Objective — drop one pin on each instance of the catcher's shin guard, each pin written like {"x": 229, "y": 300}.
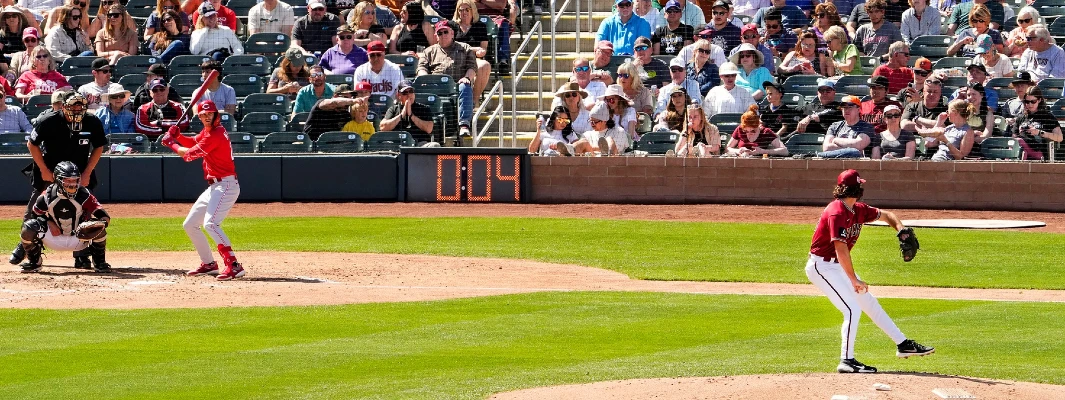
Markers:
{"x": 98, "y": 250}
{"x": 33, "y": 260}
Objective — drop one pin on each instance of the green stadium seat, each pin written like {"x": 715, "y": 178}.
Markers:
{"x": 933, "y": 47}
{"x": 228, "y": 122}
{"x": 272, "y": 44}
{"x": 337, "y": 79}
{"x": 379, "y": 103}
{"x": 245, "y": 84}
{"x": 139, "y": 142}
{"x": 389, "y": 141}
{"x": 140, "y": 8}
{"x": 131, "y": 82}
{"x": 247, "y": 64}
{"x": 868, "y": 64}
{"x": 286, "y": 142}
{"x": 185, "y": 84}
{"x": 36, "y": 105}
{"x": 265, "y": 102}
{"x": 855, "y": 85}
{"x": 644, "y": 124}
{"x": 407, "y": 64}
{"x": 133, "y": 65}
{"x": 14, "y": 143}
{"x": 805, "y": 144}
{"x": 726, "y": 122}
{"x": 339, "y": 142}
{"x": 76, "y": 81}
{"x": 657, "y": 142}
{"x": 441, "y": 85}
{"x": 310, "y": 59}
{"x": 186, "y": 64}
{"x": 261, "y": 123}
{"x": 952, "y": 62}
{"x": 1052, "y": 87}
{"x": 297, "y": 122}
{"x": 243, "y": 142}
{"x": 1001, "y": 148}
{"x": 805, "y": 85}
{"x": 77, "y": 66}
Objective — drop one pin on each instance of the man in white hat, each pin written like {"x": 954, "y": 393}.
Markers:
{"x": 678, "y": 75}
{"x": 727, "y": 98}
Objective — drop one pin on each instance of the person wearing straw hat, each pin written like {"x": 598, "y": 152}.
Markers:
{"x": 751, "y": 72}
{"x": 571, "y": 97}
{"x": 115, "y": 117}
{"x": 622, "y": 114}
{"x": 728, "y": 97}
{"x": 749, "y": 35}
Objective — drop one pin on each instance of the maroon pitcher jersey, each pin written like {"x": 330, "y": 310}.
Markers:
{"x": 839, "y": 223}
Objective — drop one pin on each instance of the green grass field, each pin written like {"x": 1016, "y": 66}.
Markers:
{"x": 470, "y": 348}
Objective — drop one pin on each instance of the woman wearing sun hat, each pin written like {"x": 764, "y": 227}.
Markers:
{"x": 572, "y": 98}
{"x": 751, "y": 72}
{"x": 622, "y": 115}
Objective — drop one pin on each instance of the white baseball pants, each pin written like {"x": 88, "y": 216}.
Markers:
{"x": 833, "y": 281}
{"x": 63, "y": 242}
{"x": 209, "y": 211}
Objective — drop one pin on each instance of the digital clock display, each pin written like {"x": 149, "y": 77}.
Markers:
{"x": 464, "y": 174}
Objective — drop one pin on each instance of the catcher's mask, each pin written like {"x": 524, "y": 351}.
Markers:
{"x": 67, "y": 175}
{"x": 74, "y": 110}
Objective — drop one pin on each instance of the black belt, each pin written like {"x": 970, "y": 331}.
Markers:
{"x": 826, "y": 259}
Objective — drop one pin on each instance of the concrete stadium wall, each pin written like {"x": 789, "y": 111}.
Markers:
{"x": 899, "y": 184}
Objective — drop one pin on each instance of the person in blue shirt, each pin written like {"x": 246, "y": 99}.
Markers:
{"x": 793, "y": 17}
{"x": 623, "y": 28}
{"x": 116, "y": 118}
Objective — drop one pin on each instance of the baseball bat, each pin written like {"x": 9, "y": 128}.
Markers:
{"x": 198, "y": 93}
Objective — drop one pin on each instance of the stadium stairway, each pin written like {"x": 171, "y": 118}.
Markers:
{"x": 528, "y": 104}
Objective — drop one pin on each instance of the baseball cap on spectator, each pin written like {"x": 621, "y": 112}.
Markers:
{"x": 1023, "y": 77}
{"x": 403, "y": 85}
{"x": 850, "y": 101}
{"x": 207, "y": 9}
{"x": 295, "y": 57}
{"x": 343, "y": 89}
{"x": 643, "y": 40}
{"x": 891, "y": 108}
{"x": 722, "y": 3}
{"x": 59, "y": 96}
{"x": 771, "y": 84}
{"x": 983, "y": 44}
{"x": 728, "y": 69}
{"x": 375, "y": 47}
{"x": 604, "y": 44}
{"x": 31, "y": 32}
{"x": 826, "y": 83}
{"x": 980, "y": 67}
{"x": 158, "y": 69}
{"x": 748, "y": 28}
{"x": 363, "y": 86}
{"x": 849, "y": 177}
{"x": 157, "y": 82}
{"x": 707, "y": 30}
{"x": 442, "y": 24}
{"x": 922, "y": 64}
{"x": 100, "y": 64}
{"x": 616, "y": 2}
{"x": 881, "y": 81}
{"x": 672, "y": 4}
{"x": 315, "y": 4}
{"x": 677, "y": 62}
{"x": 977, "y": 86}
{"x": 678, "y": 89}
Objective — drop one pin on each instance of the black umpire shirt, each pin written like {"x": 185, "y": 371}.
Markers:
{"x": 406, "y": 124}
{"x": 58, "y": 143}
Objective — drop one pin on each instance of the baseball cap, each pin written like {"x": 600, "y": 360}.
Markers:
{"x": 677, "y": 62}
{"x": 100, "y": 64}
{"x": 672, "y": 4}
{"x": 975, "y": 86}
{"x": 748, "y": 28}
{"x": 769, "y": 84}
{"x": 59, "y": 96}
{"x": 344, "y": 88}
{"x": 881, "y": 81}
{"x": 722, "y": 3}
{"x": 707, "y": 30}
{"x": 850, "y": 100}
{"x": 923, "y": 64}
{"x": 1023, "y": 77}
{"x": 158, "y": 69}
{"x": 616, "y": 2}
{"x": 206, "y": 106}
{"x": 442, "y": 24}
{"x": 315, "y": 4}
{"x": 980, "y": 67}
{"x": 345, "y": 28}
{"x": 849, "y": 177}
{"x": 30, "y": 32}
{"x": 207, "y": 9}
{"x": 403, "y": 86}
{"x": 643, "y": 40}
{"x": 826, "y": 83}
{"x": 604, "y": 44}
{"x": 295, "y": 57}
{"x": 375, "y": 47}
{"x": 983, "y": 44}
{"x": 157, "y": 82}
{"x": 363, "y": 85}
{"x": 891, "y": 108}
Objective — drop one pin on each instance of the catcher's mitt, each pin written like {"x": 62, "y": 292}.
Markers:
{"x": 908, "y": 243}
{"x": 90, "y": 230}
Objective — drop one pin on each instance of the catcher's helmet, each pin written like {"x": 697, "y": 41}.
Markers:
{"x": 67, "y": 175}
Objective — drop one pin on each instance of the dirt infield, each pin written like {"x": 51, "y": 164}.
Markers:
{"x": 156, "y": 280}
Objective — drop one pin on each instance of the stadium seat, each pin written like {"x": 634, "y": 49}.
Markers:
{"x": 297, "y": 122}
{"x": 726, "y": 122}
{"x": 265, "y": 102}
{"x": 795, "y": 100}
{"x": 952, "y": 62}
{"x": 133, "y": 65}
{"x": 140, "y": 8}
{"x": 407, "y": 64}
{"x": 185, "y": 84}
{"x": 261, "y": 123}
{"x": 228, "y": 122}
{"x": 656, "y": 142}
{"x": 441, "y": 85}
{"x": 1001, "y": 148}
{"x": 270, "y": 44}
{"x": 380, "y": 103}
{"x": 244, "y": 84}
{"x": 1002, "y": 87}
{"x": 953, "y": 82}
{"x": 644, "y": 123}
{"x": 336, "y": 79}
{"x": 187, "y": 64}
{"x": 805, "y": 143}
{"x": 931, "y": 46}
{"x": 375, "y": 119}
{"x": 805, "y": 85}
{"x": 131, "y": 82}
{"x": 76, "y": 81}
{"x": 139, "y": 142}
{"x": 1052, "y": 88}
{"x": 243, "y": 142}
{"x": 339, "y": 142}
{"x": 240, "y": 7}
{"x": 855, "y": 85}
{"x": 77, "y": 66}
{"x": 868, "y": 64}
{"x": 286, "y": 142}
{"x": 36, "y": 105}
{"x": 436, "y": 107}
{"x": 14, "y": 143}
{"x": 389, "y": 141}
{"x": 247, "y": 64}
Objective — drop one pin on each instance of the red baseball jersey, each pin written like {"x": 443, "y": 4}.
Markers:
{"x": 840, "y": 223}
{"x": 211, "y": 144}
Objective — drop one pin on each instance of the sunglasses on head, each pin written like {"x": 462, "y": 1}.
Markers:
{"x": 624, "y": 76}
{"x": 583, "y": 68}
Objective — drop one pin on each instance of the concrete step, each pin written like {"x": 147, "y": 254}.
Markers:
{"x": 526, "y": 121}
{"x": 568, "y": 22}
{"x": 527, "y": 102}
{"x": 531, "y": 81}
{"x": 566, "y": 42}
{"x": 563, "y": 61}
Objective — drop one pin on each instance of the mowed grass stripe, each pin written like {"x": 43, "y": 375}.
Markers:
{"x": 469, "y": 348}
{"x": 695, "y": 251}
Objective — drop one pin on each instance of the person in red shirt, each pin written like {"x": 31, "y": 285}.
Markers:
{"x": 872, "y": 110}
{"x": 831, "y": 270}
{"x": 896, "y": 71}
{"x": 213, "y": 146}
{"x": 226, "y": 17}
{"x": 155, "y": 116}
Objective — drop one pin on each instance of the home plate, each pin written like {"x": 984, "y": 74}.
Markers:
{"x": 967, "y": 223}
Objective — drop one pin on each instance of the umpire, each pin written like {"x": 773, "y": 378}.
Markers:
{"x": 69, "y": 135}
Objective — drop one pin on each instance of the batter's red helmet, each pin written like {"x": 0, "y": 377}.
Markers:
{"x": 205, "y": 107}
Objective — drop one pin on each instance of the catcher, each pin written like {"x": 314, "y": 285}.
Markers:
{"x": 831, "y": 270}
{"x": 67, "y": 217}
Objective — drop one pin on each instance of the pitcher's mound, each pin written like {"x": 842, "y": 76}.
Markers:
{"x": 903, "y": 386}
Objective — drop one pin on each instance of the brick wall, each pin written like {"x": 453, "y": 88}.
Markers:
{"x": 899, "y": 184}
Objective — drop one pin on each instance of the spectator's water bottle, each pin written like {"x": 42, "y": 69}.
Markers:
{"x": 654, "y": 92}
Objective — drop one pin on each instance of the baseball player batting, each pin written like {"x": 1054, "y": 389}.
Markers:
{"x": 213, "y": 146}
{"x": 831, "y": 270}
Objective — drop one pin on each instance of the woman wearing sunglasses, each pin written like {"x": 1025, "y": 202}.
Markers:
{"x": 632, "y": 86}
{"x": 927, "y": 24}
{"x": 805, "y": 59}
{"x": 980, "y": 21}
{"x": 844, "y": 54}
{"x": 172, "y": 39}
{"x": 571, "y": 98}
{"x": 752, "y": 74}
{"x": 470, "y": 30}
{"x": 1035, "y": 127}
{"x": 701, "y": 70}
{"x": 363, "y": 21}
{"x": 824, "y": 16}
{"x": 82, "y": 5}
{"x": 554, "y": 136}
{"x": 118, "y": 38}
{"x": 23, "y": 60}
{"x": 42, "y": 78}
{"x": 955, "y": 141}
{"x": 895, "y": 143}
{"x": 676, "y": 111}
{"x": 11, "y": 30}
{"x": 414, "y": 33}
{"x": 751, "y": 139}
{"x": 1016, "y": 40}
{"x": 157, "y": 20}
{"x": 68, "y": 39}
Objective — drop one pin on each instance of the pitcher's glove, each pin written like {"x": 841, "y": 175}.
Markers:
{"x": 908, "y": 243}
{"x": 90, "y": 230}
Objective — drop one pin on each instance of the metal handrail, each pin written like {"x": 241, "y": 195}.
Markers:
{"x": 556, "y": 15}
{"x": 497, "y": 91}
{"x": 537, "y": 54}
